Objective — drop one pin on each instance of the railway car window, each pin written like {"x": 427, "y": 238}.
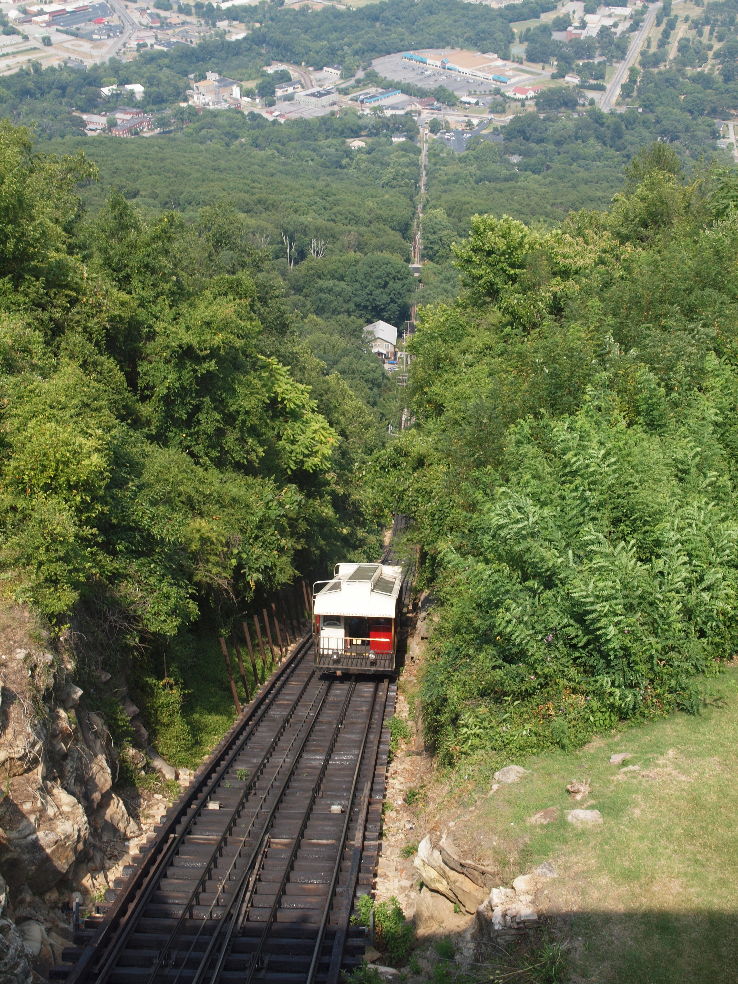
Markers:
{"x": 358, "y": 628}
{"x": 332, "y": 622}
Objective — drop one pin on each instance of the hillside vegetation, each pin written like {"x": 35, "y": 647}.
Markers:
{"x": 572, "y": 473}
{"x": 171, "y": 448}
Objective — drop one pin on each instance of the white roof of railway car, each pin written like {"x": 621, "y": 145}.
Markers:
{"x": 366, "y": 590}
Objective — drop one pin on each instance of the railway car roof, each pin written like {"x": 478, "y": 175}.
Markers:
{"x": 368, "y": 590}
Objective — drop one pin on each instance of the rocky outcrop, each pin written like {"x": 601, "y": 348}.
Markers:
{"x": 512, "y": 910}
{"x": 15, "y": 967}
{"x": 41, "y": 844}
{"x": 441, "y": 870}
{"x": 60, "y": 818}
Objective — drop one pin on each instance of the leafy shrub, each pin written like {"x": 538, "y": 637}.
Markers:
{"x": 399, "y": 731}
{"x": 163, "y": 701}
{"x": 393, "y": 935}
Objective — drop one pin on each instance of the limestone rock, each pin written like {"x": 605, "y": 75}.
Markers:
{"x": 22, "y": 739}
{"x": 584, "y": 818}
{"x": 14, "y": 965}
{"x": 549, "y": 815}
{"x": 434, "y": 915}
{"x": 163, "y": 768}
{"x": 579, "y": 789}
{"x": 33, "y": 935}
{"x": 501, "y": 896}
{"x": 41, "y": 855}
{"x": 511, "y": 773}
{"x": 439, "y": 878}
{"x": 140, "y": 733}
{"x": 525, "y": 884}
{"x": 129, "y": 708}
{"x": 70, "y": 696}
{"x": 451, "y": 855}
{"x": 99, "y": 780}
{"x": 619, "y": 758}
{"x": 545, "y": 871}
{"x": 116, "y": 821}
{"x": 387, "y": 973}
{"x": 135, "y": 758}
{"x": 371, "y": 955}
{"x": 103, "y": 759}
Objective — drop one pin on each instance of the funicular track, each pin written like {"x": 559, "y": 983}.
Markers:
{"x": 252, "y": 875}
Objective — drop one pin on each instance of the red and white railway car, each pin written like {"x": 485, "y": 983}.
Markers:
{"x": 355, "y": 618}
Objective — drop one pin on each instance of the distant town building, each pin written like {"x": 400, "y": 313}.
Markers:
{"x": 334, "y": 70}
{"x": 130, "y": 127}
{"x": 215, "y": 92}
{"x": 523, "y": 92}
{"x": 357, "y": 144}
{"x": 370, "y": 99}
{"x": 285, "y": 88}
{"x": 317, "y": 97}
{"x": 94, "y": 122}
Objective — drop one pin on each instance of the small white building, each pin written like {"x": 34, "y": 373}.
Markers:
{"x": 357, "y": 144}
{"x": 382, "y": 338}
{"x": 334, "y": 70}
{"x": 136, "y": 89}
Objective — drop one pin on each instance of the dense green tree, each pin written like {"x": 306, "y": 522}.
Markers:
{"x": 572, "y": 472}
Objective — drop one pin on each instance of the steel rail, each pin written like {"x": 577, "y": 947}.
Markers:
{"x": 222, "y": 937}
{"x": 265, "y": 827}
{"x": 269, "y": 922}
{"x": 361, "y": 821}
{"x": 114, "y": 932}
{"x": 164, "y": 952}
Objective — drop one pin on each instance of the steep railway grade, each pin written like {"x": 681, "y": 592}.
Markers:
{"x": 252, "y": 874}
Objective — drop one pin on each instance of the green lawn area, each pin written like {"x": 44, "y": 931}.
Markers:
{"x": 650, "y": 896}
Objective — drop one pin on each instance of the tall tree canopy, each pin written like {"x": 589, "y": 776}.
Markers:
{"x": 572, "y": 472}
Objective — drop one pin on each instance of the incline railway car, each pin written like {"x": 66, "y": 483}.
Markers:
{"x": 355, "y": 618}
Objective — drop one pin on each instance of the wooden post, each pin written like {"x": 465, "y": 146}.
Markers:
{"x": 262, "y": 648}
{"x": 249, "y": 646}
{"x": 308, "y": 602}
{"x": 286, "y": 619}
{"x": 268, "y": 629}
{"x": 293, "y": 612}
{"x": 278, "y": 633}
{"x": 241, "y": 667}
{"x": 229, "y": 671}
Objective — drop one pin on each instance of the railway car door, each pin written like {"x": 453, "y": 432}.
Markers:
{"x": 380, "y": 635}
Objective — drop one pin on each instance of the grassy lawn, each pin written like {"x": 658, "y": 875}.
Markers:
{"x": 650, "y": 896}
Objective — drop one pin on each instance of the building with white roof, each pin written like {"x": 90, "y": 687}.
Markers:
{"x": 383, "y": 339}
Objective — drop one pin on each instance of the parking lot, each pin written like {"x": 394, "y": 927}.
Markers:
{"x": 396, "y": 68}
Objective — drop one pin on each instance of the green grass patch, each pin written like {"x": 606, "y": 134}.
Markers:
{"x": 648, "y": 895}
{"x": 187, "y": 701}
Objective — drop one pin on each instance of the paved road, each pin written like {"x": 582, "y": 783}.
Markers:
{"x": 130, "y": 26}
{"x": 613, "y": 90}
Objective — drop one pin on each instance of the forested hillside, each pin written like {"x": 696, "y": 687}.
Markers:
{"x": 572, "y": 472}
{"x": 170, "y": 445}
